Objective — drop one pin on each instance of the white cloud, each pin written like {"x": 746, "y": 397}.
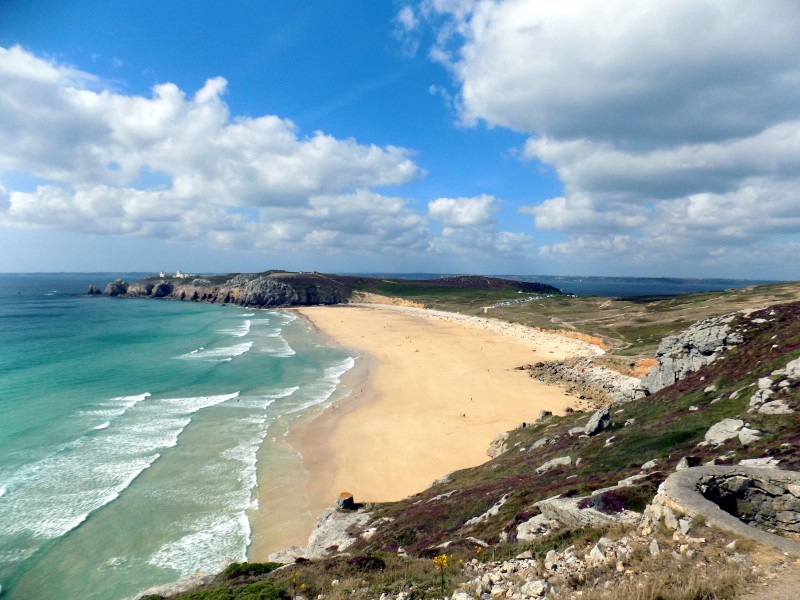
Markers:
{"x": 407, "y": 18}
{"x": 469, "y": 224}
{"x": 406, "y": 24}
{"x": 463, "y": 212}
{"x": 181, "y": 167}
{"x": 674, "y": 125}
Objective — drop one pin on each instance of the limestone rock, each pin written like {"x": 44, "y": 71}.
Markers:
{"x": 748, "y": 436}
{"x": 498, "y": 445}
{"x": 556, "y": 462}
{"x": 335, "y": 531}
{"x": 687, "y": 462}
{"x": 793, "y": 369}
{"x": 759, "y": 398}
{"x": 776, "y": 407}
{"x": 599, "y": 421}
{"x": 690, "y": 350}
{"x": 535, "y": 589}
{"x": 723, "y": 431}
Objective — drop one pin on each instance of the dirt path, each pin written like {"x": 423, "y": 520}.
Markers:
{"x": 780, "y": 583}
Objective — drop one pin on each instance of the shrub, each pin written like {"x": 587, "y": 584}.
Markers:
{"x": 367, "y": 563}
{"x": 236, "y": 570}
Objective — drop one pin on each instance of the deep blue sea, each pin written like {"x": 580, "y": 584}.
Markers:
{"x": 132, "y": 432}
{"x": 129, "y": 432}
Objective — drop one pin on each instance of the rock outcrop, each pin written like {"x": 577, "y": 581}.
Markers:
{"x": 599, "y": 420}
{"x": 689, "y": 350}
{"x": 332, "y": 534}
{"x": 582, "y": 378}
{"x": 245, "y": 289}
{"x": 116, "y": 288}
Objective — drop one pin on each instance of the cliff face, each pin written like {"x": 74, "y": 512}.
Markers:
{"x": 255, "y": 290}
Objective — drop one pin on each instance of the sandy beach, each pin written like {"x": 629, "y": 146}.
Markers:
{"x": 433, "y": 390}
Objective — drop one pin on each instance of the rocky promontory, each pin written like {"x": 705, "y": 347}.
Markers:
{"x": 273, "y": 288}
{"x": 283, "y": 288}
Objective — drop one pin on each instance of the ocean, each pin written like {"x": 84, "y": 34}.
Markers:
{"x": 130, "y": 430}
{"x": 133, "y": 432}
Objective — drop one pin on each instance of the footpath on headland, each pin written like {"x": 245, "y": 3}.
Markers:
{"x": 436, "y": 389}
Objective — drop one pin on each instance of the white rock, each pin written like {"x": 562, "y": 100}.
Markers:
{"x": 536, "y": 589}
{"x": 596, "y": 554}
{"x": 793, "y": 369}
{"x": 599, "y": 421}
{"x": 653, "y": 548}
{"x": 556, "y": 462}
{"x": 776, "y": 407}
{"x": 759, "y": 462}
{"x": 539, "y": 443}
{"x": 764, "y": 383}
{"x": 748, "y": 436}
{"x": 723, "y": 431}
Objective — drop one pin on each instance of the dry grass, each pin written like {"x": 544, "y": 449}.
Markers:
{"x": 684, "y": 581}
{"x": 362, "y": 578}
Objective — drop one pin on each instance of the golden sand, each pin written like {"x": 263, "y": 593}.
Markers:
{"x": 430, "y": 393}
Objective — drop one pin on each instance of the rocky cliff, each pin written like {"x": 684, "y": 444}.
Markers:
{"x": 690, "y": 350}
{"x": 244, "y": 289}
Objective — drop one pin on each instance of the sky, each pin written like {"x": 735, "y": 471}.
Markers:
{"x": 657, "y": 138}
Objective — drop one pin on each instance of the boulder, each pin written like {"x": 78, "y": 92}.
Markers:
{"x": 599, "y": 421}
{"x": 793, "y": 369}
{"x": 498, "y": 445}
{"x": 93, "y": 290}
{"x": 776, "y": 407}
{"x": 552, "y": 464}
{"x": 723, "y": 431}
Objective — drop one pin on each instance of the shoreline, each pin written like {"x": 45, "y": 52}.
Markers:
{"x": 429, "y": 393}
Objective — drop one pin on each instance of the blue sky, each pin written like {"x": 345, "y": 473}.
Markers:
{"x": 511, "y": 136}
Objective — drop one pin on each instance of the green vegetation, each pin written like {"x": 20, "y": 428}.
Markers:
{"x": 236, "y": 570}
{"x": 631, "y": 326}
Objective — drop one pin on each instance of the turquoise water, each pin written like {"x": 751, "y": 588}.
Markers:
{"x": 129, "y": 432}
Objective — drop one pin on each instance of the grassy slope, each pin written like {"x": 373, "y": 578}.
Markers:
{"x": 664, "y": 429}
{"x": 633, "y": 326}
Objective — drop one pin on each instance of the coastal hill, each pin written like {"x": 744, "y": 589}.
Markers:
{"x": 280, "y": 288}
{"x": 574, "y": 506}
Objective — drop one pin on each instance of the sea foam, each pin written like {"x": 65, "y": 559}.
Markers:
{"x": 55, "y": 494}
{"x": 222, "y": 354}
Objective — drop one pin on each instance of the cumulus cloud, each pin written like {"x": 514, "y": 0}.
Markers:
{"x": 469, "y": 224}
{"x": 676, "y": 121}
{"x": 180, "y": 166}
{"x": 462, "y": 212}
